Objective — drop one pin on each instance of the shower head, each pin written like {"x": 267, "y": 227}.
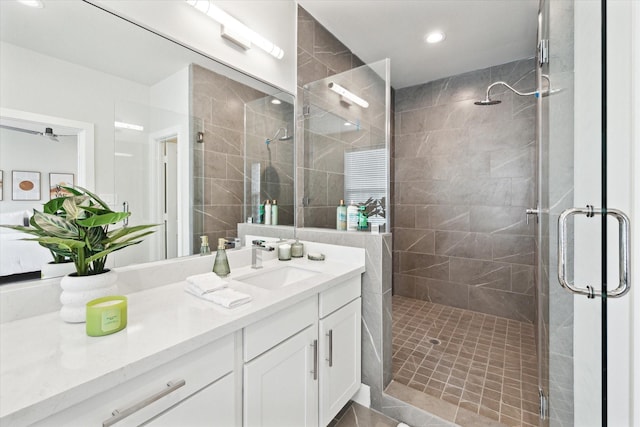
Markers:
{"x": 284, "y": 137}
{"x": 488, "y": 101}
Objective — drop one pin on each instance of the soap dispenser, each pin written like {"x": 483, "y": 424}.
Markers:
{"x": 204, "y": 246}
{"x": 221, "y": 263}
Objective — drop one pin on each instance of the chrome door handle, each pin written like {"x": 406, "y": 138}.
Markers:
{"x": 120, "y": 414}
{"x": 623, "y": 246}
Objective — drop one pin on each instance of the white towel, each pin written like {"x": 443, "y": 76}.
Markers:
{"x": 228, "y": 298}
{"x": 201, "y": 284}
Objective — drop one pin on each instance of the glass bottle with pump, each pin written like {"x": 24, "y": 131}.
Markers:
{"x": 221, "y": 263}
{"x": 204, "y": 246}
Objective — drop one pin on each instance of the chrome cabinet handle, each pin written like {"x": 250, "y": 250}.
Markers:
{"x": 623, "y": 246}
{"x": 120, "y": 414}
{"x": 315, "y": 359}
{"x": 330, "y": 359}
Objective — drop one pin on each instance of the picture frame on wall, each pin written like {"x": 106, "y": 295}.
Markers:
{"x": 57, "y": 181}
{"x": 25, "y": 185}
{"x": 1, "y": 186}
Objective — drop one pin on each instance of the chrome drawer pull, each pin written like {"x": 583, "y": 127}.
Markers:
{"x": 120, "y": 414}
{"x": 330, "y": 359}
{"x": 315, "y": 359}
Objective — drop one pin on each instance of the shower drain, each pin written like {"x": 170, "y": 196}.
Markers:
{"x": 434, "y": 341}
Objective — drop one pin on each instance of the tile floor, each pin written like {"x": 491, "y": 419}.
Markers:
{"x": 482, "y": 363}
{"x": 355, "y": 415}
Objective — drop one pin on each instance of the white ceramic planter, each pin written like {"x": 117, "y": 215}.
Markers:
{"x": 51, "y": 270}
{"x": 78, "y": 290}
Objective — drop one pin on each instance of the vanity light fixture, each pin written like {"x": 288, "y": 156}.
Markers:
{"x": 276, "y": 101}
{"x": 348, "y": 95}
{"x": 32, "y": 3}
{"x": 123, "y": 125}
{"x": 434, "y": 37}
{"x": 235, "y": 31}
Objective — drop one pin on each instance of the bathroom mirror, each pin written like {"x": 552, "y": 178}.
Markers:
{"x": 155, "y": 109}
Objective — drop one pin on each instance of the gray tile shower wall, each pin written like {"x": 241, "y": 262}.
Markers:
{"x": 219, "y": 103}
{"x": 320, "y": 55}
{"x": 463, "y": 177}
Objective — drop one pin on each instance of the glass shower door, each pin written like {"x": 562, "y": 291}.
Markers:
{"x": 582, "y": 257}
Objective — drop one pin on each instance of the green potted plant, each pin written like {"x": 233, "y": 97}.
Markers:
{"x": 77, "y": 227}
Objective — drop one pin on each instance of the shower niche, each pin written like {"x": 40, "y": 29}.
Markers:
{"x": 346, "y": 131}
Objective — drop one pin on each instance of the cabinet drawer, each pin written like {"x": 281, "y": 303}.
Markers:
{"x": 339, "y": 295}
{"x": 198, "y": 369}
{"x": 267, "y": 333}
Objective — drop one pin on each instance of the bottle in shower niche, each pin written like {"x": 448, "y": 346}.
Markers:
{"x": 274, "y": 212}
{"x": 352, "y": 217}
{"x": 267, "y": 212}
{"x": 341, "y": 216}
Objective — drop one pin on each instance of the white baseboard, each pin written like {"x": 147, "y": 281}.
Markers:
{"x": 363, "y": 396}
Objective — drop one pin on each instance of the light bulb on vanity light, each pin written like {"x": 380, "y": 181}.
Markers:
{"x": 32, "y": 3}
{"x": 348, "y": 95}
{"x": 234, "y": 30}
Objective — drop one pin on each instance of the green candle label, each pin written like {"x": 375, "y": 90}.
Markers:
{"x": 110, "y": 320}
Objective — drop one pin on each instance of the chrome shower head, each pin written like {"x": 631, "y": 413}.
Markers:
{"x": 488, "y": 101}
{"x": 284, "y": 137}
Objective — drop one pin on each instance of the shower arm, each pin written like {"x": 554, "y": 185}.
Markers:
{"x": 517, "y": 92}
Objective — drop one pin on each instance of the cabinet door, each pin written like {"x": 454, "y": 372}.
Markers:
{"x": 279, "y": 386}
{"x": 340, "y": 350}
{"x": 215, "y": 405}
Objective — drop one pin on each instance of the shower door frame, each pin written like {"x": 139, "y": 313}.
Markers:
{"x": 618, "y": 166}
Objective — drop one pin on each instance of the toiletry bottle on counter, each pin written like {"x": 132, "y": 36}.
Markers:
{"x": 341, "y": 216}
{"x": 221, "y": 263}
{"x": 204, "y": 245}
{"x": 352, "y": 217}
{"x": 274, "y": 212}
{"x": 267, "y": 212}
{"x": 260, "y": 214}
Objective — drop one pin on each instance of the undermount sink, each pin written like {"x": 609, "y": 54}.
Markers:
{"x": 277, "y": 278}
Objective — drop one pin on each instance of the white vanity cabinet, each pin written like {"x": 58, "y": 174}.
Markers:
{"x": 280, "y": 372}
{"x": 303, "y": 364}
{"x": 196, "y": 389}
{"x": 340, "y": 347}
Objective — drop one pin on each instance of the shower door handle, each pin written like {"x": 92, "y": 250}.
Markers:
{"x": 623, "y": 251}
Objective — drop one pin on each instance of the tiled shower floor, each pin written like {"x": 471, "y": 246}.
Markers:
{"x": 483, "y": 363}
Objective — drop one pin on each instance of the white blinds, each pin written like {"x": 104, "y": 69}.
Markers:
{"x": 366, "y": 174}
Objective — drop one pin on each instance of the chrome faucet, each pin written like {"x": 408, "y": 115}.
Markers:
{"x": 256, "y": 253}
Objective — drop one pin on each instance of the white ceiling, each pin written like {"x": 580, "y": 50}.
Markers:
{"x": 479, "y": 33}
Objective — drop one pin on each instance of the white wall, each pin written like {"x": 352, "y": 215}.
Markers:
{"x": 26, "y": 152}
{"x": 46, "y": 85}
{"x": 274, "y": 20}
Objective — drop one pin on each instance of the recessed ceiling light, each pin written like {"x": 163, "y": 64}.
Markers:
{"x": 32, "y": 3}
{"x": 434, "y": 37}
{"x": 276, "y": 101}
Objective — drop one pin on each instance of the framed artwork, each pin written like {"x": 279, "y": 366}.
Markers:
{"x": 25, "y": 185}
{"x": 1, "y": 187}
{"x": 56, "y": 181}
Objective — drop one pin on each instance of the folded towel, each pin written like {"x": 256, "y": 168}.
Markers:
{"x": 225, "y": 297}
{"x": 205, "y": 283}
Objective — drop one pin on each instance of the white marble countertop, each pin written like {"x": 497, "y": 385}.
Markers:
{"x": 47, "y": 365}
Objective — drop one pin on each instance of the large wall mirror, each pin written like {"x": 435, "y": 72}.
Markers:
{"x": 151, "y": 126}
